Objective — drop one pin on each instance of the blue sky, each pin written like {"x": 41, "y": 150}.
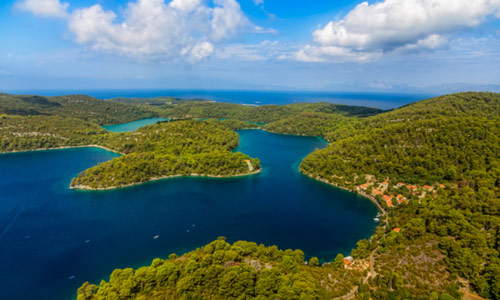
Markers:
{"x": 388, "y": 45}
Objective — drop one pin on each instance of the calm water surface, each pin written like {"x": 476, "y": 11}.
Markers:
{"x": 132, "y": 126}
{"x": 382, "y": 100}
{"x": 53, "y": 239}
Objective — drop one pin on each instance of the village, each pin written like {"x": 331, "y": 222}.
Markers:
{"x": 395, "y": 194}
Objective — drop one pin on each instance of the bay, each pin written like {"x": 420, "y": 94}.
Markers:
{"x": 52, "y": 239}
{"x": 132, "y": 126}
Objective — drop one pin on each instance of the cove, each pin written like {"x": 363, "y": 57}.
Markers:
{"x": 132, "y": 126}
{"x": 52, "y": 239}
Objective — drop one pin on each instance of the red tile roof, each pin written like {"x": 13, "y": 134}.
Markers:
{"x": 397, "y": 229}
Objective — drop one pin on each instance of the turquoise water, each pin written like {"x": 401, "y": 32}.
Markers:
{"x": 132, "y": 126}
{"x": 53, "y": 239}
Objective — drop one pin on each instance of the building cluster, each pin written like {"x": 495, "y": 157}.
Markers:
{"x": 390, "y": 195}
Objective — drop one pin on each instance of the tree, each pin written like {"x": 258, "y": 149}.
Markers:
{"x": 339, "y": 261}
{"x": 314, "y": 261}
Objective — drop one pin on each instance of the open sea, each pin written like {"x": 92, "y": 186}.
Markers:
{"x": 378, "y": 100}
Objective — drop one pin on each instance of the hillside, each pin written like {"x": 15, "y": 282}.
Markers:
{"x": 43, "y": 132}
{"x": 219, "y": 270}
{"x": 262, "y": 114}
{"x": 169, "y": 149}
{"x": 74, "y": 106}
{"x": 441, "y": 157}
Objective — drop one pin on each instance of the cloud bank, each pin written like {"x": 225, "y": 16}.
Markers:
{"x": 152, "y": 29}
{"x": 44, "y": 8}
{"x": 372, "y": 30}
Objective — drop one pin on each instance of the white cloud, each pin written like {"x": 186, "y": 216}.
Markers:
{"x": 266, "y": 50}
{"x": 153, "y": 29}
{"x": 198, "y": 52}
{"x": 258, "y": 2}
{"x": 312, "y": 53}
{"x": 185, "y": 5}
{"x": 44, "y": 8}
{"x": 396, "y": 25}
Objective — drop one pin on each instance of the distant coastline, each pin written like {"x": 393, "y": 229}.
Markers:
{"x": 87, "y": 188}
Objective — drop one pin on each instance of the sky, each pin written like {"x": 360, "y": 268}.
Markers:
{"x": 323, "y": 45}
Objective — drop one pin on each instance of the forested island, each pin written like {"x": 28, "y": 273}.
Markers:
{"x": 432, "y": 166}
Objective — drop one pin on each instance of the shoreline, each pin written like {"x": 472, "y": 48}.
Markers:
{"x": 369, "y": 197}
{"x": 291, "y": 134}
{"x": 61, "y": 148}
{"x": 87, "y": 188}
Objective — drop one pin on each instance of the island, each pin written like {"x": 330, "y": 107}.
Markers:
{"x": 432, "y": 167}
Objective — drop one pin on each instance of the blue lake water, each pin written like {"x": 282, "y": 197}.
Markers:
{"x": 48, "y": 233}
{"x": 380, "y": 100}
{"x": 132, "y": 126}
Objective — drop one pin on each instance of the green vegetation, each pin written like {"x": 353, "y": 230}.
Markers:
{"x": 312, "y": 124}
{"x": 219, "y": 270}
{"x": 437, "y": 240}
{"x": 263, "y": 114}
{"x": 42, "y": 132}
{"x": 169, "y": 149}
{"x": 450, "y": 143}
{"x": 157, "y": 151}
{"x": 73, "y": 106}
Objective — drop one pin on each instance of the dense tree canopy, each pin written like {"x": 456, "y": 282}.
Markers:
{"x": 169, "y": 149}
{"x": 219, "y": 270}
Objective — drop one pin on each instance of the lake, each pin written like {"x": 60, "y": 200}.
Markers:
{"x": 132, "y": 126}
{"x": 52, "y": 239}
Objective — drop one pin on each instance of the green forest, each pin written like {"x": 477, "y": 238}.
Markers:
{"x": 169, "y": 149}
{"x": 219, "y": 270}
{"x": 441, "y": 155}
{"x": 451, "y": 143}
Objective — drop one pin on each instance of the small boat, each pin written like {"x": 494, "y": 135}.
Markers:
{"x": 71, "y": 277}
{"x": 376, "y": 219}
{"x": 187, "y": 230}
{"x": 156, "y": 237}
{"x": 194, "y": 225}
{"x": 87, "y": 241}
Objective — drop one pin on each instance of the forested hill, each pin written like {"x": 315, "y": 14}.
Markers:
{"x": 435, "y": 167}
{"x": 169, "y": 149}
{"x": 263, "y": 114}
{"x": 220, "y": 271}
{"x": 469, "y": 104}
{"x": 74, "y": 106}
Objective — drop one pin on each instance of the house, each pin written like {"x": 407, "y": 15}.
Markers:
{"x": 376, "y": 192}
{"x": 411, "y": 187}
{"x": 348, "y": 260}
{"x": 428, "y": 188}
{"x": 397, "y": 230}
{"x": 400, "y": 184}
{"x": 388, "y": 200}
{"x": 363, "y": 186}
{"x": 400, "y": 198}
